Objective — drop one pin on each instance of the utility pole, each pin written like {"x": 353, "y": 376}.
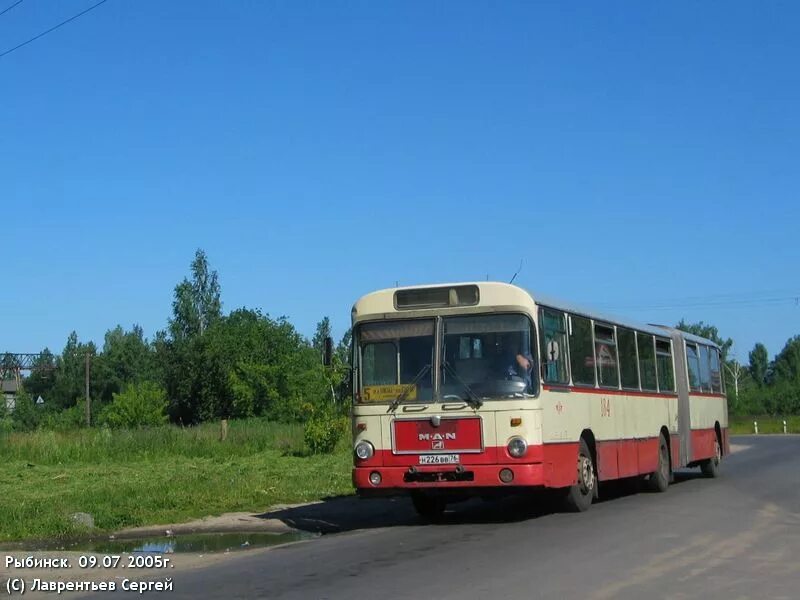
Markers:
{"x": 88, "y": 399}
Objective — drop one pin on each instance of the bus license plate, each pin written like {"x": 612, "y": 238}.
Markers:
{"x": 439, "y": 459}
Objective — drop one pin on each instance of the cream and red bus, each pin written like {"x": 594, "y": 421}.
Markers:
{"x": 478, "y": 388}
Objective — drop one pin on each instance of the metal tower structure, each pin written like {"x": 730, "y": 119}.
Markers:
{"x": 13, "y": 364}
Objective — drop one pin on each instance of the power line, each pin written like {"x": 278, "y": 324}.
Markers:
{"x": 17, "y": 3}
{"x": 789, "y": 300}
{"x": 746, "y": 299}
{"x": 793, "y": 300}
{"x": 44, "y": 33}
{"x": 739, "y": 295}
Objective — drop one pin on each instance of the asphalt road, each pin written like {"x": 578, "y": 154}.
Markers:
{"x": 734, "y": 537}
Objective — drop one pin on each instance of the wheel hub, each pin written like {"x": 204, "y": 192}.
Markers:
{"x": 585, "y": 474}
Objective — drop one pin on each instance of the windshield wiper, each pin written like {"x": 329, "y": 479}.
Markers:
{"x": 404, "y": 394}
{"x": 472, "y": 398}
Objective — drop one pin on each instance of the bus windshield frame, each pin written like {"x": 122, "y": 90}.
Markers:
{"x": 460, "y": 357}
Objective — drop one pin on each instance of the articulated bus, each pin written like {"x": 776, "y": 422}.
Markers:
{"x": 483, "y": 388}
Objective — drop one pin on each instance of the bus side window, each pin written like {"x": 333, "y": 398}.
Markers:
{"x": 705, "y": 369}
{"x": 693, "y": 360}
{"x": 666, "y": 379}
{"x": 605, "y": 352}
{"x": 581, "y": 351}
{"x": 628, "y": 368}
{"x": 716, "y": 373}
{"x": 647, "y": 361}
{"x": 554, "y": 346}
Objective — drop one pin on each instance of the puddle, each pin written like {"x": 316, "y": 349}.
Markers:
{"x": 199, "y": 543}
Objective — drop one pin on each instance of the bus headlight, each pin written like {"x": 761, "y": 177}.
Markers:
{"x": 517, "y": 447}
{"x": 364, "y": 450}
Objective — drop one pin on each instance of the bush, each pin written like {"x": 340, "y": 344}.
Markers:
{"x": 138, "y": 405}
{"x": 6, "y": 424}
{"x": 323, "y": 431}
{"x": 26, "y": 415}
{"x": 782, "y": 398}
{"x": 65, "y": 420}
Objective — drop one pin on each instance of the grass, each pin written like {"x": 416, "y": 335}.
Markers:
{"x": 766, "y": 424}
{"x": 160, "y": 475}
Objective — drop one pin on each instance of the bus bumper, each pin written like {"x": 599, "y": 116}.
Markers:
{"x": 396, "y": 479}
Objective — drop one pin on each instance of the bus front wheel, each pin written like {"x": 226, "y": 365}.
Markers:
{"x": 579, "y": 496}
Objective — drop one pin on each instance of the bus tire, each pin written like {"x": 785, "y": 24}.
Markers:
{"x": 659, "y": 479}
{"x": 579, "y": 496}
{"x": 430, "y": 508}
{"x": 710, "y": 466}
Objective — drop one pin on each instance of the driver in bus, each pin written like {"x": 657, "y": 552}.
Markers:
{"x": 519, "y": 361}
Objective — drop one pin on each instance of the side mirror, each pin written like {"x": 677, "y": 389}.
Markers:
{"x": 327, "y": 353}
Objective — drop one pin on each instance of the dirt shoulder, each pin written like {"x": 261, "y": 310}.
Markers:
{"x": 238, "y": 522}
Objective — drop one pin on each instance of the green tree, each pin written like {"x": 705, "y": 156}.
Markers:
{"x": 336, "y": 374}
{"x": 759, "y": 362}
{"x": 127, "y": 357}
{"x": 69, "y": 380}
{"x": 196, "y": 304}
{"x": 322, "y": 331}
{"x": 343, "y": 347}
{"x": 267, "y": 366}
{"x": 180, "y": 369}
{"x": 786, "y": 366}
{"x": 43, "y": 375}
{"x": 341, "y": 369}
{"x": 180, "y": 352}
{"x": 245, "y": 364}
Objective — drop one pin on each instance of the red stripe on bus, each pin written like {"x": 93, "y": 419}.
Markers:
{"x": 549, "y": 465}
{"x": 626, "y": 458}
{"x": 703, "y": 443}
{"x": 612, "y": 392}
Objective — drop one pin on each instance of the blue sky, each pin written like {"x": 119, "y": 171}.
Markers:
{"x": 639, "y": 157}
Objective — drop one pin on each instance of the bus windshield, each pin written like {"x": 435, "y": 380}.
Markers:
{"x": 396, "y": 359}
{"x": 487, "y": 356}
{"x": 482, "y": 357}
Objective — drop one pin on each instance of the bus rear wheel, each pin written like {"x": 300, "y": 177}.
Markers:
{"x": 429, "y": 507}
{"x": 659, "y": 479}
{"x": 579, "y": 496}
{"x": 710, "y": 466}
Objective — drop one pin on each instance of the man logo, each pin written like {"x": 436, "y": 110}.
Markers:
{"x": 435, "y": 437}
{"x": 437, "y": 445}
